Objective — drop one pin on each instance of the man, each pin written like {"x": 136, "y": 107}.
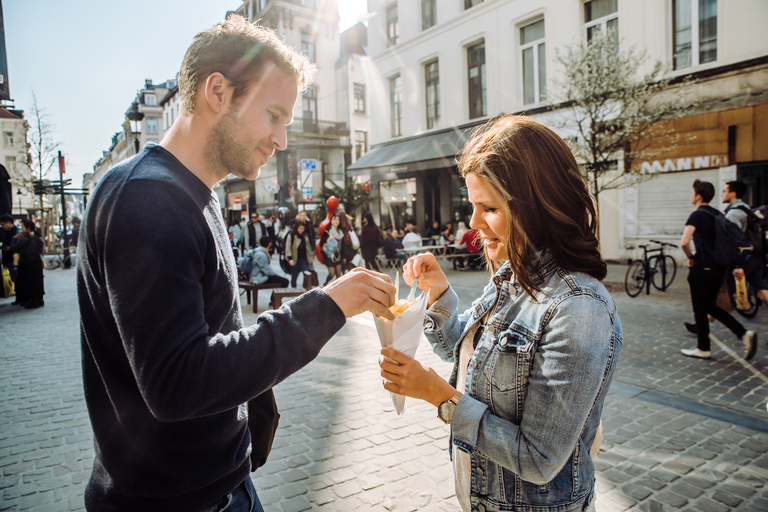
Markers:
{"x": 736, "y": 211}
{"x": 391, "y": 251}
{"x": 705, "y": 276}
{"x": 303, "y": 217}
{"x": 254, "y": 230}
{"x": 262, "y": 270}
{"x": 30, "y": 287}
{"x": 178, "y": 390}
{"x": 6, "y": 237}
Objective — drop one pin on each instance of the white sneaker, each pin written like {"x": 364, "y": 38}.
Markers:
{"x": 695, "y": 352}
{"x": 750, "y": 344}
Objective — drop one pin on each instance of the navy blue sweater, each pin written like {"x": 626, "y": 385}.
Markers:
{"x": 167, "y": 365}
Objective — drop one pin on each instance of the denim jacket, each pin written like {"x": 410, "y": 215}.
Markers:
{"x": 535, "y": 386}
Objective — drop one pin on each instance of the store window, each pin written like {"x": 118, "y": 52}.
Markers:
{"x": 393, "y": 26}
{"x": 477, "y": 85}
{"x": 461, "y": 207}
{"x": 359, "y": 99}
{"x": 398, "y": 198}
{"x": 694, "y": 37}
{"x": 534, "y": 61}
{"x": 432, "y": 81}
{"x": 308, "y": 46}
{"x": 361, "y": 143}
{"x": 428, "y": 14}
{"x": 601, "y": 15}
{"x": 395, "y": 94}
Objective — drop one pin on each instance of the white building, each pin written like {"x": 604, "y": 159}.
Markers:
{"x": 445, "y": 66}
{"x": 14, "y": 156}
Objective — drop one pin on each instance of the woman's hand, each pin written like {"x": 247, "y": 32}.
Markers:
{"x": 406, "y": 376}
{"x": 292, "y": 263}
{"x": 431, "y": 277}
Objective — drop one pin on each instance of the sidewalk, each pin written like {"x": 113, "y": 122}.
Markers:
{"x": 674, "y": 427}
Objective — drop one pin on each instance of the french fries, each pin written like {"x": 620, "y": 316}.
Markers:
{"x": 400, "y": 306}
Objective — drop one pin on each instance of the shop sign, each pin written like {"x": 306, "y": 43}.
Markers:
{"x": 308, "y": 166}
{"x": 683, "y": 164}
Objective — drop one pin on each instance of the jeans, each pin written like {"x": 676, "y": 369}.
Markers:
{"x": 705, "y": 285}
{"x": 242, "y": 499}
{"x": 301, "y": 265}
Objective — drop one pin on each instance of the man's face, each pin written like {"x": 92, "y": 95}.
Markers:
{"x": 254, "y": 218}
{"x": 727, "y": 196}
{"x": 246, "y": 136}
{"x": 695, "y": 198}
{"x": 7, "y": 226}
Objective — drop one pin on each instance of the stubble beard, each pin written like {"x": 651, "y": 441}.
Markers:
{"x": 226, "y": 153}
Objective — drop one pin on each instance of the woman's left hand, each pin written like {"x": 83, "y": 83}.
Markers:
{"x": 406, "y": 376}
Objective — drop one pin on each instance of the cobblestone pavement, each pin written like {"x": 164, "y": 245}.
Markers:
{"x": 680, "y": 434}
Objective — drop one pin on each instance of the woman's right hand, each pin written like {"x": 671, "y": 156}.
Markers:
{"x": 292, "y": 263}
{"x": 431, "y": 277}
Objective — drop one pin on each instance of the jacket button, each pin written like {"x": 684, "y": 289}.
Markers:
{"x": 503, "y": 341}
{"x": 481, "y": 508}
{"x": 479, "y": 471}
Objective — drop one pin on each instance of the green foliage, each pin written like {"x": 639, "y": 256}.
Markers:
{"x": 357, "y": 201}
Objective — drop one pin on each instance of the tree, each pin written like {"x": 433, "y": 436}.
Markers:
{"x": 614, "y": 111}
{"x": 356, "y": 198}
{"x": 42, "y": 145}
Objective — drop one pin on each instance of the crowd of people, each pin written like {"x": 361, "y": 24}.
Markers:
{"x": 22, "y": 256}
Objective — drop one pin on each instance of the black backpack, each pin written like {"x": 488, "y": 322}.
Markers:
{"x": 756, "y": 227}
{"x": 731, "y": 245}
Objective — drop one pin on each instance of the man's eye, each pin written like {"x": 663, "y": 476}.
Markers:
{"x": 272, "y": 117}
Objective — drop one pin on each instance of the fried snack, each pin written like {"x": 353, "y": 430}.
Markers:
{"x": 400, "y": 306}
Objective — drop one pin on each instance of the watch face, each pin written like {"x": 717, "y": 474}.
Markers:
{"x": 445, "y": 411}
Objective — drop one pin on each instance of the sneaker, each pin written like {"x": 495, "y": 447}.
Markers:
{"x": 691, "y": 328}
{"x": 695, "y": 352}
{"x": 750, "y": 344}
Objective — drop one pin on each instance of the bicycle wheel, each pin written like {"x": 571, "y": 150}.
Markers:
{"x": 634, "y": 282}
{"x": 665, "y": 272}
{"x": 53, "y": 263}
{"x": 754, "y": 304}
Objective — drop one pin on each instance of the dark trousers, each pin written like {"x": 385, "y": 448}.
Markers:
{"x": 242, "y": 499}
{"x": 283, "y": 282}
{"x": 705, "y": 285}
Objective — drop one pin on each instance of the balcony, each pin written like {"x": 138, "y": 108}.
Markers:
{"x": 325, "y": 129}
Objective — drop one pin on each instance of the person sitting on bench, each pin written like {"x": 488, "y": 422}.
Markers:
{"x": 262, "y": 271}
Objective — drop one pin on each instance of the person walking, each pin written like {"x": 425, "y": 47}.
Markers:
{"x": 178, "y": 389}
{"x": 370, "y": 241}
{"x": 30, "y": 286}
{"x": 535, "y": 355}
{"x": 298, "y": 250}
{"x": 332, "y": 245}
{"x": 254, "y": 230}
{"x": 705, "y": 276}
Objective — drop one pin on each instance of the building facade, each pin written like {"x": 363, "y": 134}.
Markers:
{"x": 14, "y": 156}
{"x": 443, "y": 67}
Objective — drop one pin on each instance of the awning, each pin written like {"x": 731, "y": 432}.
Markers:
{"x": 430, "y": 151}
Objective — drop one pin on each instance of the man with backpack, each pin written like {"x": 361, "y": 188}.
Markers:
{"x": 708, "y": 229}
{"x": 256, "y": 263}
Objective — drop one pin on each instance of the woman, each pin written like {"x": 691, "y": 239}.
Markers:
{"x": 333, "y": 251}
{"x": 351, "y": 243}
{"x": 298, "y": 251}
{"x": 412, "y": 238}
{"x": 370, "y": 241}
{"x": 526, "y": 393}
{"x": 30, "y": 287}
{"x": 460, "y": 230}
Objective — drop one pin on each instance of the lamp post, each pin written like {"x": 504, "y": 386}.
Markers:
{"x": 18, "y": 193}
{"x": 135, "y": 116}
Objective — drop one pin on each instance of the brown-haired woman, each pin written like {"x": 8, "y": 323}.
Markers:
{"x": 534, "y": 355}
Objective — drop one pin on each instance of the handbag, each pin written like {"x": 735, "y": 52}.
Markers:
{"x": 262, "y": 423}
{"x": 8, "y": 287}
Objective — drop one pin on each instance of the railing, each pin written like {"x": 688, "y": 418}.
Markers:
{"x": 305, "y": 125}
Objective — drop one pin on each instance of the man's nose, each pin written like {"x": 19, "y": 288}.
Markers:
{"x": 280, "y": 138}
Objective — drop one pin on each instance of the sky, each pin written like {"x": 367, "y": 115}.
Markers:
{"x": 87, "y": 59}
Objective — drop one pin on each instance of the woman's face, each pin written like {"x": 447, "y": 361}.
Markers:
{"x": 489, "y": 216}
{"x": 335, "y": 222}
{"x": 300, "y": 229}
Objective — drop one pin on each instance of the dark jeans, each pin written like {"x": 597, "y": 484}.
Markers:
{"x": 705, "y": 285}
{"x": 283, "y": 282}
{"x": 301, "y": 265}
{"x": 242, "y": 499}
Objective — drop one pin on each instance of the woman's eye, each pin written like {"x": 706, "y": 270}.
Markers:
{"x": 490, "y": 210}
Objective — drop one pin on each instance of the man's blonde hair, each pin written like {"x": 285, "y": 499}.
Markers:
{"x": 239, "y": 50}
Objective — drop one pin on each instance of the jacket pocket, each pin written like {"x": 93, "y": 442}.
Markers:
{"x": 507, "y": 371}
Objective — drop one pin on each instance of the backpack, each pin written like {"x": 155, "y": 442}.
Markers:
{"x": 756, "y": 227}
{"x": 331, "y": 250}
{"x": 246, "y": 264}
{"x": 731, "y": 245}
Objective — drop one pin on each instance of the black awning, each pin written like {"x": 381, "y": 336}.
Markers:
{"x": 430, "y": 151}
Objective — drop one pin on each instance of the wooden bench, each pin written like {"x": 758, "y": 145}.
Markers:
{"x": 278, "y": 294}
{"x": 253, "y": 287}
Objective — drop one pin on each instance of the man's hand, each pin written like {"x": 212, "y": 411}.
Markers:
{"x": 363, "y": 290}
{"x": 738, "y": 273}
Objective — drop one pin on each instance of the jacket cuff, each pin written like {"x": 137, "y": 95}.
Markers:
{"x": 317, "y": 309}
{"x": 465, "y": 425}
{"x": 439, "y": 312}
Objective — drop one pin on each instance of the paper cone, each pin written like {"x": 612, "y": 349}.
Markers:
{"x": 403, "y": 334}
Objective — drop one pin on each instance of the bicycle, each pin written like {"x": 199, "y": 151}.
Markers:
{"x": 656, "y": 268}
{"x": 58, "y": 258}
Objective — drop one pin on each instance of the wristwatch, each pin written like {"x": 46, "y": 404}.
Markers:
{"x": 445, "y": 409}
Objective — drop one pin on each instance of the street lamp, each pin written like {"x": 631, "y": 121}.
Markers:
{"x": 135, "y": 116}
{"x": 18, "y": 193}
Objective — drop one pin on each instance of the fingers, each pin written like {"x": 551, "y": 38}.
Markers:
{"x": 396, "y": 356}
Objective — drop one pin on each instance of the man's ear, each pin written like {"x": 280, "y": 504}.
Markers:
{"x": 218, "y": 92}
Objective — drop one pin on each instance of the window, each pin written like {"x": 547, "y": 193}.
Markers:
{"x": 151, "y": 125}
{"x": 393, "y": 26}
{"x": 394, "y": 104}
{"x": 359, "y": 100}
{"x": 309, "y": 105}
{"x": 150, "y": 100}
{"x": 361, "y": 143}
{"x": 601, "y": 15}
{"x": 8, "y": 137}
{"x": 432, "y": 81}
{"x": 477, "y": 101}
{"x": 534, "y": 63}
{"x": 308, "y": 46}
{"x": 428, "y": 14}
{"x": 694, "y": 43}
{"x": 10, "y": 164}
{"x": 471, "y": 3}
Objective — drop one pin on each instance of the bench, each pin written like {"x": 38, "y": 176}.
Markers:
{"x": 278, "y": 294}
{"x": 253, "y": 287}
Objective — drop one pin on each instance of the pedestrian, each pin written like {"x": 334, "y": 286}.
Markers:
{"x": 235, "y": 236}
{"x": 303, "y": 217}
{"x": 262, "y": 269}
{"x": 179, "y": 391}
{"x": 391, "y": 251}
{"x": 332, "y": 245}
{"x": 298, "y": 250}
{"x": 535, "y": 354}
{"x": 412, "y": 239}
{"x": 7, "y": 234}
{"x": 30, "y": 287}
{"x": 705, "y": 276}
{"x": 74, "y": 237}
{"x": 460, "y": 230}
{"x": 434, "y": 232}
{"x": 470, "y": 241}
{"x": 254, "y": 230}
{"x": 370, "y": 241}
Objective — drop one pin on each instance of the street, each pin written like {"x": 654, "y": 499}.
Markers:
{"x": 680, "y": 433}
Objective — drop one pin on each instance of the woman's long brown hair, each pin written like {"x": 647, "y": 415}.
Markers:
{"x": 550, "y": 208}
